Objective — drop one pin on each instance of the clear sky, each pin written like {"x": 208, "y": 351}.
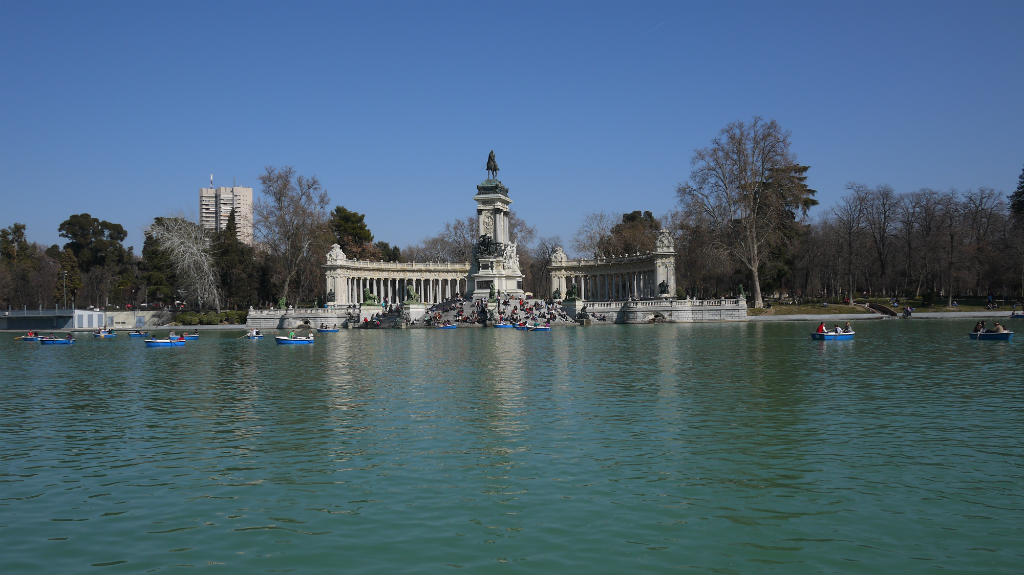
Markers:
{"x": 123, "y": 109}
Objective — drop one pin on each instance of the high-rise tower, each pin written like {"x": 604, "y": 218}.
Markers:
{"x": 216, "y": 204}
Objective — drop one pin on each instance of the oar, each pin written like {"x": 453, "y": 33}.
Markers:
{"x": 19, "y": 337}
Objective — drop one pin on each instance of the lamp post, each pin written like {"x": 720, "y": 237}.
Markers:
{"x": 65, "y": 289}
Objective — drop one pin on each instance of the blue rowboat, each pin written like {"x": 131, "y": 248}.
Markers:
{"x": 27, "y": 338}
{"x": 996, "y": 336}
{"x": 326, "y": 330}
{"x": 138, "y": 333}
{"x": 832, "y": 336}
{"x": 104, "y": 334}
{"x": 165, "y": 343}
{"x": 284, "y": 340}
{"x": 540, "y": 328}
{"x": 248, "y": 336}
{"x": 521, "y": 327}
{"x": 56, "y": 341}
{"x": 191, "y": 336}
{"x": 503, "y": 325}
{"x": 446, "y": 326}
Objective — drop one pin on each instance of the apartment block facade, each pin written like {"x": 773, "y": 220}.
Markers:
{"x": 215, "y": 205}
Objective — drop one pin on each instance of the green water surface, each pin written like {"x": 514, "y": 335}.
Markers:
{"x": 663, "y": 448}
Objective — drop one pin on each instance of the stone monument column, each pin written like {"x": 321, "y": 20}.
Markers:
{"x": 495, "y": 258}
{"x": 665, "y": 264}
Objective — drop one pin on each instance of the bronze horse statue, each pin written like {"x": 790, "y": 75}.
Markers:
{"x": 492, "y": 166}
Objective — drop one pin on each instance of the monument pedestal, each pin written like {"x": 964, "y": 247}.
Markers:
{"x": 368, "y": 310}
{"x": 414, "y": 310}
{"x": 495, "y": 257}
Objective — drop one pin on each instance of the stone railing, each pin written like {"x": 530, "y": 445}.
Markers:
{"x": 413, "y": 267}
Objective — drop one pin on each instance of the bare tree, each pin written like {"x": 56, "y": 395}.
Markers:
{"x": 849, "y": 221}
{"x": 187, "y": 245}
{"x": 879, "y": 218}
{"x": 595, "y": 227}
{"x": 290, "y": 222}
{"x": 750, "y": 188}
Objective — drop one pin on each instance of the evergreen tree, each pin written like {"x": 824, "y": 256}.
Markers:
{"x": 235, "y": 264}
{"x": 1017, "y": 199}
{"x": 157, "y": 271}
{"x": 351, "y": 233}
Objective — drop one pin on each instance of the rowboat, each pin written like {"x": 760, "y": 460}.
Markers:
{"x": 993, "y": 335}
{"x": 191, "y": 336}
{"x": 326, "y": 330}
{"x": 503, "y": 325}
{"x": 56, "y": 341}
{"x": 104, "y": 333}
{"x": 284, "y": 340}
{"x": 138, "y": 333}
{"x": 540, "y": 328}
{"x": 521, "y": 327}
{"x": 177, "y": 342}
{"x": 253, "y": 336}
{"x": 832, "y": 336}
{"x": 27, "y": 338}
{"x": 1017, "y": 315}
{"x": 453, "y": 326}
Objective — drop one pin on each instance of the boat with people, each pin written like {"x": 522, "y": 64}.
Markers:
{"x": 191, "y": 336}
{"x": 138, "y": 333}
{"x": 254, "y": 334}
{"x": 540, "y": 328}
{"x": 503, "y": 325}
{"x": 993, "y": 336}
{"x": 995, "y": 333}
{"x": 176, "y": 342}
{"x": 29, "y": 336}
{"x": 832, "y": 336}
{"x": 823, "y": 333}
{"x": 104, "y": 333}
{"x": 327, "y": 330}
{"x": 449, "y": 326}
{"x": 53, "y": 340}
{"x": 292, "y": 339}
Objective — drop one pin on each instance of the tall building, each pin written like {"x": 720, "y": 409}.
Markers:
{"x": 215, "y": 205}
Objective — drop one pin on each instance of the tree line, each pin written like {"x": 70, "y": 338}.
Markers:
{"x": 741, "y": 220}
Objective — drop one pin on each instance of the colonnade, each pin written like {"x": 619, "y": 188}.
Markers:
{"x": 598, "y": 286}
{"x": 349, "y": 289}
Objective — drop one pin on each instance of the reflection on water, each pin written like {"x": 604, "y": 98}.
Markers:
{"x": 699, "y": 447}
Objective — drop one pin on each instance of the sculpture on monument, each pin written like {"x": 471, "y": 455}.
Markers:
{"x": 368, "y": 297}
{"x": 486, "y": 246}
{"x": 410, "y": 295}
{"x": 492, "y": 167}
{"x": 663, "y": 287}
{"x": 570, "y": 292}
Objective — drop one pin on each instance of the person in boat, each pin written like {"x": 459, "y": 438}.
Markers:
{"x": 837, "y": 329}
{"x": 847, "y": 328}
{"x": 172, "y": 335}
{"x": 291, "y": 334}
{"x": 998, "y": 328}
{"x": 69, "y": 336}
{"x": 821, "y": 328}
{"x": 979, "y": 327}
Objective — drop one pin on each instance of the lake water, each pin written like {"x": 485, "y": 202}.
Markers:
{"x": 662, "y": 448}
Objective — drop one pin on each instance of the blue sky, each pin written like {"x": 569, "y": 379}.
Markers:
{"x": 123, "y": 109}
